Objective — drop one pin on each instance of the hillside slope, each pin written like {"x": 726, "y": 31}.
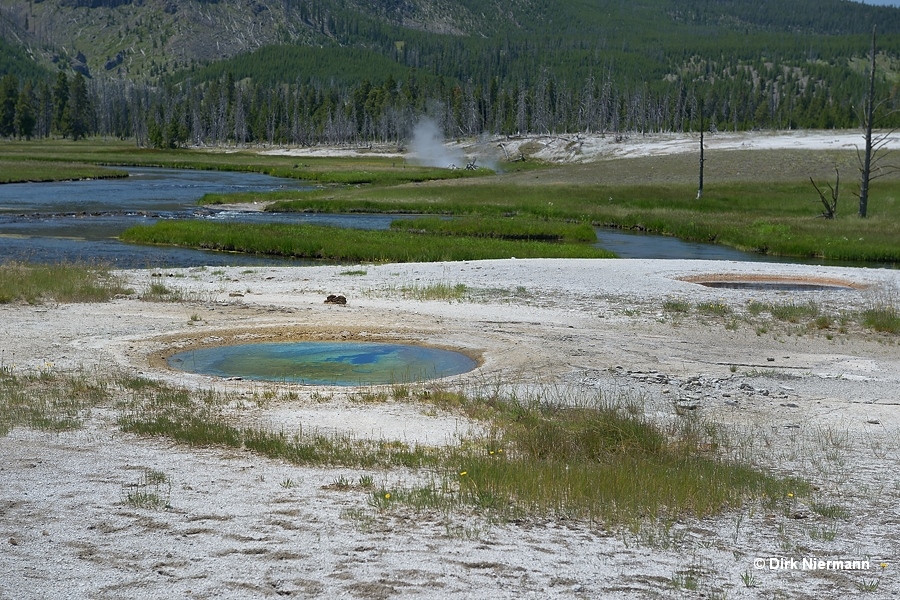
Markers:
{"x": 147, "y": 39}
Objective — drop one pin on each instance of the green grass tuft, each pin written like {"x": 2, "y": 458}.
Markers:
{"x": 713, "y": 309}
{"x": 677, "y": 306}
{"x": 152, "y": 491}
{"x": 47, "y": 400}
{"x": 883, "y": 318}
{"x": 435, "y": 291}
{"x": 794, "y": 313}
{"x": 64, "y": 282}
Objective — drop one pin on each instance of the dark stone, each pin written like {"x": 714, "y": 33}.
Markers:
{"x": 335, "y": 299}
{"x": 114, "y": 62}
{"x": 82, "y": 68}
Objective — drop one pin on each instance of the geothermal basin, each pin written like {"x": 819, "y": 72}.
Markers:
{"x": 325, "y": 363}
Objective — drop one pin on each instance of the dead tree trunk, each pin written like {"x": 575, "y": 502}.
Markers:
{"x": 702, "y": 159}
{"x": 699, "y": 105}
{"x": 866, "y": 166}
{"x": 830, "y": 211}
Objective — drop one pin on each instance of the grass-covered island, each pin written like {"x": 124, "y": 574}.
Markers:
{"x": 349, "y": 245}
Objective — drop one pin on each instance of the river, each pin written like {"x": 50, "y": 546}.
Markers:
{"x": 81, "y": 221}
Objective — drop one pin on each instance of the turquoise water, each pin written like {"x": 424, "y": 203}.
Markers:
{"x": 325, "y": 363}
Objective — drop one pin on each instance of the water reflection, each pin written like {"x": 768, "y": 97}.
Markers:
{"x": 639, "y": 245}
{"x": 627, "y": 244}
{"x": 173, "y": 192}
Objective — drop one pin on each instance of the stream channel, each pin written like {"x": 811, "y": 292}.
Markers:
{"x": 81, "y": 221}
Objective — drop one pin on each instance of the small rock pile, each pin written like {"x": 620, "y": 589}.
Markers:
{"x": 688, "y": 394}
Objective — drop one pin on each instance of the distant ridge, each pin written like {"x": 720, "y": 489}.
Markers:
{"x": 145, "y": 40}
{"x": 173, "y": 72}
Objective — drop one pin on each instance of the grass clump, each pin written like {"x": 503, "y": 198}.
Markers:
{"x": 47, "y": 400}
{"x": 198, "y": 420}
{"x": 448, "y": 292}
{"x": 756, "y": 308}
{"x": 152, "y": 491}
{"x": 882, "y": 315}
{"x": 885, "y": 319}
{"x": 794, "y": 313}
{"x": 713, "y": 309}
{"x": 160, "y": 292}
{"x": 677, "y": 306}
{"x": 824, "y": 322}
{"x": 64, "y": 282}
{"x": 599, "y": 461}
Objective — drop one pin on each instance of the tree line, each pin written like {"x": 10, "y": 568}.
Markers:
{"x": 65, "y": 108}
{"x": 228, "y": 111}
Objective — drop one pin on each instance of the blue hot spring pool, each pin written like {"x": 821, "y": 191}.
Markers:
{"x": 325, "y": 363}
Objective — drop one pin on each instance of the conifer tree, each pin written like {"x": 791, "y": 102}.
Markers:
{"x": 9, "y": 91}
{"x": 25, "y": 112}
{"x": 60, "y": 104}
{"x": 78, "y": 111}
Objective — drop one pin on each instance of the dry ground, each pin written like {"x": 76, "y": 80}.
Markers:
{"x": 821, "y": 404}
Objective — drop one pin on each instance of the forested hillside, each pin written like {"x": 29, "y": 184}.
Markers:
{"x": 173, "y": 72}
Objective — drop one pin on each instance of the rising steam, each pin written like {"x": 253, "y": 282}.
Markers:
{"x": 428, "y": 147}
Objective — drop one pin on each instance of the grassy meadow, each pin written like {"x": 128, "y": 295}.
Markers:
{"x": 34, "y": 171}
{"x": 92, "y": 153}
{"x": 780, "y": 216}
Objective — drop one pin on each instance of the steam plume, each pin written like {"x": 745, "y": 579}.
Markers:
{"x": 428, "y": 147}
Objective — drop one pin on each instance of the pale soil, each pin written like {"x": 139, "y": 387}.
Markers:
{"x": 588, "y": 147}
{"x": 796, "y": 402}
